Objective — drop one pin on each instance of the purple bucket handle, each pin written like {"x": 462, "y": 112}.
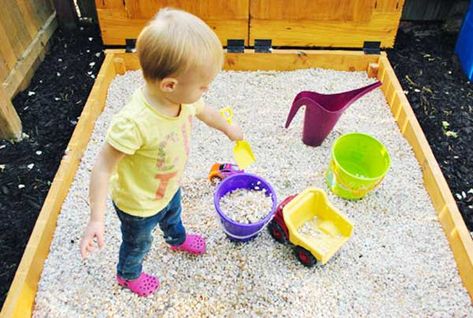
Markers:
{"x": 323, "y": 111}
{"x": 244, "y": 238}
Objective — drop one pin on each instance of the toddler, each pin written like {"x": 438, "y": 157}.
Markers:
{"x": 147, "y": 144}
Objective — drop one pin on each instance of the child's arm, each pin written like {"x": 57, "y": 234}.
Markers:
{"x": 212, "y": 118}
{"x": 98, "y": 189}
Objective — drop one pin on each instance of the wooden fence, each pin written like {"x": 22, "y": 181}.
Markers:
{"x": 294, "y": 23}
{"x": 25, "y": 28}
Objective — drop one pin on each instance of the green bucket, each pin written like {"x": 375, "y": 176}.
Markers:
{"x": 358, "y": 164}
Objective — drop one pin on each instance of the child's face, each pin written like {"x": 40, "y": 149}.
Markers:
{"x": 192, "y": 84}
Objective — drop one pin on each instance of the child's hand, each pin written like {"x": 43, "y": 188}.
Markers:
{"x": 95, "y": 229}
{"x": 234, "y": 132}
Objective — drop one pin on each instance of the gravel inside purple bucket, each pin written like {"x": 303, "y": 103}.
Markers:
{"x": 238, "y": 231}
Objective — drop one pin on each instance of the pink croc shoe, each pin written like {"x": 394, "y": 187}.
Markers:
{"x": 194, "y": 244}
{"x": 143, "y": 286}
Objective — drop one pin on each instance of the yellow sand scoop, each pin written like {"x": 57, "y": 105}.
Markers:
{"x": 242, "y": 152}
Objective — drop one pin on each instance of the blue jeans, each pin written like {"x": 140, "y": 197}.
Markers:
{"x": 137, "y": 235}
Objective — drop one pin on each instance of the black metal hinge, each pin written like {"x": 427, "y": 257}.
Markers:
{"x": 372, "y": 47}
{"x": 263, "y": 46}
{"x": 235, "y": 46}
{"x": 130, "y": 45}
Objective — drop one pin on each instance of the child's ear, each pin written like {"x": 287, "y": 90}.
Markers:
{"x": 168, "y": 84}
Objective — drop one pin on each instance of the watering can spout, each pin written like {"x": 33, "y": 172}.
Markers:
{"x": 355, "y": 94}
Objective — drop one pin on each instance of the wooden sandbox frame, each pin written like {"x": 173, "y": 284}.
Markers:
{"x": 21, "y": 297}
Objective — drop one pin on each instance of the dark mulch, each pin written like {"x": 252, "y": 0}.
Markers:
{"x": 423, "y": 53}
{"x": 442, "y": 98}
{"x": 49, "y": 109}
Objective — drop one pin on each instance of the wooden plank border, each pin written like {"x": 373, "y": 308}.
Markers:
{"x": 280, "y": 60}
{"x": 20, "y": 299}
{"x": 452, "y": 222}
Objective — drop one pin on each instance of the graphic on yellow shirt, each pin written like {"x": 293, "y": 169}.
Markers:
{"x": 163, "y": 183}
{"x": 157, "y": 148}
{"x": 163, "y": 162}
{"x": 164, "y": 178}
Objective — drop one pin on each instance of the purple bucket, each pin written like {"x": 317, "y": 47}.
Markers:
{"x": 238, "y": 231}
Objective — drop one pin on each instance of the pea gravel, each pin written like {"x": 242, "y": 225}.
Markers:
{"x": 309, "y": 228}
{"x": 397, "y": 263}
{"x": 246, "y": 206}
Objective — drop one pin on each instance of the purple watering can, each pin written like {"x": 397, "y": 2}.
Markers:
{"x": 322, "y": 111}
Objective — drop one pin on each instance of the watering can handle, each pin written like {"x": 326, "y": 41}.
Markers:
{"x": 227, "y": 113}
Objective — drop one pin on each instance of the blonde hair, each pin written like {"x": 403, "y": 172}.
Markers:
{"x": 173, "y": 42}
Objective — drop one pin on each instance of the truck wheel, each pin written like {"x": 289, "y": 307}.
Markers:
{"x": 304, "y": 256}
{"x": 277, "y": 232}
{"x": 215, "y": 180}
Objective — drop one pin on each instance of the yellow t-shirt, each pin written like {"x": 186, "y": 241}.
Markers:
{"x": 157, "y": 147}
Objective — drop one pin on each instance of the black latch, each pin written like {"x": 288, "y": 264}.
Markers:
{"x": 235, "y": 46}
{"x": 371, "y": 47}
{"x": 263, "y": 46}
{"x": 130, "y": 45}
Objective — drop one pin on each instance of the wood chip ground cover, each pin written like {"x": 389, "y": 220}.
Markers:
{"x": 398, "y": 262}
